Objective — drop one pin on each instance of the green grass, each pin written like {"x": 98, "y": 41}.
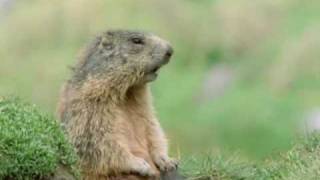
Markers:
{"x": 301, "y": 162}
{"x": 32, "y": 145}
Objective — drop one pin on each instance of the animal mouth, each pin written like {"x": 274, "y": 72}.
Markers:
{"x": 155, "y": 67}
{"x": 152, "y": 73}
{"x": 155, "y": 70}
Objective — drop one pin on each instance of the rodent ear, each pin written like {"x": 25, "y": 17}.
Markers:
{"x": 106, "y": 44}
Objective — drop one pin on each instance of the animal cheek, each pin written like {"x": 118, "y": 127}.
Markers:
{"x": 124, "y": 56}
{"x": 136, "y": 49}
{"x": 107, "y": 45}
{"x": 124, "y": 60}
{"x": 106, "y": 55}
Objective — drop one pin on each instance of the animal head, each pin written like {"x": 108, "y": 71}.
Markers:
{"x": 125, "y": 53}
{"x": 123, "y": 59}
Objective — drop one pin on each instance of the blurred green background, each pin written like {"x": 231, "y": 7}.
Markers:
{"x": 244, "y": 77}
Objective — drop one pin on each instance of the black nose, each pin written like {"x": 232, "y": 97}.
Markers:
{"x": 169, "y": 52}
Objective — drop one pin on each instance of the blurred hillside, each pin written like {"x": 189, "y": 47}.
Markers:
{"x": 244, "y": 76}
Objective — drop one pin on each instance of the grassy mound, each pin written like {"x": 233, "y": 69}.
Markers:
{"x": 32, "y": 145}
{"x": 301, "y": 162}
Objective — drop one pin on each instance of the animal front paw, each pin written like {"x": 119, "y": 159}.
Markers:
{"x": 140, "y": 166}
{"x": 165, "y": 163}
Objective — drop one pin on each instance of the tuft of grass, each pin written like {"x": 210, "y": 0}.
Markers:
{"x": 301, "y": 162}
{"x": 32, "y": 145}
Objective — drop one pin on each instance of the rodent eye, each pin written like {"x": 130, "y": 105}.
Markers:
{"x": 137, "y": 40}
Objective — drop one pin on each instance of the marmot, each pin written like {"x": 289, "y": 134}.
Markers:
{"x": 106, "y": 107}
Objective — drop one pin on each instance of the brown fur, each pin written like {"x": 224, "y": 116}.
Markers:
{"x": 106, "y": 108}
